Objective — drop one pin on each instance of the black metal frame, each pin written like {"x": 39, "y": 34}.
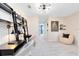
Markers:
{"x": 15, "y": 25}
{"x": 10, "y": 10}
{"x": 24, "y": 29}
{"x": 4, "y": 7}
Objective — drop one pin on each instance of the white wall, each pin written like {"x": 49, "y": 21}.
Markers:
{"x": 33, "y": 25}
{"x": 72, "y": 24}
{"x": 53, "y": 36}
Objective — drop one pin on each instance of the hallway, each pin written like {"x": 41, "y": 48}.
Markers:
{"x": 46, "y": 48}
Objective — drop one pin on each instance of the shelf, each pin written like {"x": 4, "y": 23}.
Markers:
{"x": 2, "y": 20}
{"x": 11, "y": 49}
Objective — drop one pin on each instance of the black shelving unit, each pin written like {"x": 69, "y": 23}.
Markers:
{"x": 5, "y": 49}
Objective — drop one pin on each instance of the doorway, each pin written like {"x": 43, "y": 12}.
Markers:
{"x": 43, "y": 27}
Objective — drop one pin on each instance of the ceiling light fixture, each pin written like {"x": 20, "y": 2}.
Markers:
{"x": 44, "y": 8}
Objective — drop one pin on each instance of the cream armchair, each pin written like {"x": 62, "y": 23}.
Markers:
{"x": 68, "y": 40}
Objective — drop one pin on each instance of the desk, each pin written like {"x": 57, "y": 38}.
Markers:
{"x": 11, "y": 49}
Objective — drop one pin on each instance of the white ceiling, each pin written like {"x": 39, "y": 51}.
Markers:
{"x": 58, "y": 10}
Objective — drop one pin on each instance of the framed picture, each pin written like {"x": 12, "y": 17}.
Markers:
{"x": 54, "y": 26}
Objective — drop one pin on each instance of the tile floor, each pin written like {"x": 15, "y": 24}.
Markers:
{"x": 42, "y": 47}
